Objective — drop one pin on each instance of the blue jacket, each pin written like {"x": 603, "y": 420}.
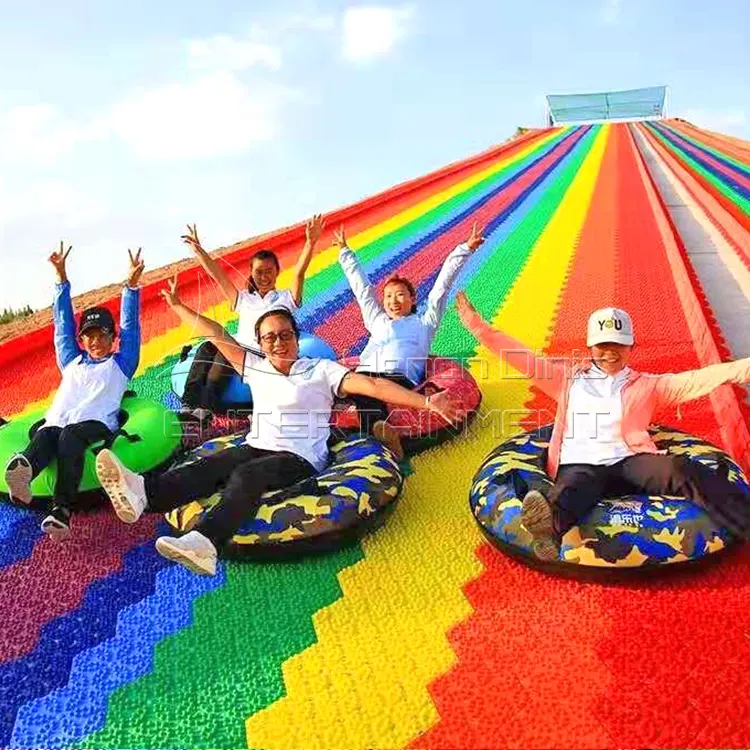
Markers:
{"x": 66, "y": 338}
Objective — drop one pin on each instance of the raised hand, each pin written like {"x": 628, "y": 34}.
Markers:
{"x": 464, "y": 307}
{"x": 170, "y": 294}
{"x": 314, "y": 228}
{"x": 339, "y": 236}
{"x": 191, "y": 239}
{"x": 137, "y": 264}
{"x": 57, "y": 259}
{"x": 442, "y": 404}
{"x": 475, "y": 238}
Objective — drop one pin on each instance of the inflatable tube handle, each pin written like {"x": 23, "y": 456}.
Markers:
{"x": 33, "y": 429}
{"x": 130, "y": 438}
{"x": 107, "y": 444}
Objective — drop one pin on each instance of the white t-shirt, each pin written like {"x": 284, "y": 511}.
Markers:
{"x": 89, "y": 391}
{"x": 593, "y": 425}
{"x": 292, "y": 412}
{"x": 250, "y": 306}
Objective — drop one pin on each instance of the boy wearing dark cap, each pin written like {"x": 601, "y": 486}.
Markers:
{"x": 86, "y": 406}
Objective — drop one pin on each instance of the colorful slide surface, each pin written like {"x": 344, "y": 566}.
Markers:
{"x": 422, "y": 635}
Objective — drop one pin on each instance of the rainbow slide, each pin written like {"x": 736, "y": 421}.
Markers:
{"x": 422, "y": 635}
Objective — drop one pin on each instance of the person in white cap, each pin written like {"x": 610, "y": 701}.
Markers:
{"x": 600, "y": 442}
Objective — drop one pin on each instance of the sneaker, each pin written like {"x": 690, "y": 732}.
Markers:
{"x": 18, "y": 478}
{"x": 387, "y": 435}
{"x": 195, "y": 551}
{"x": 126, "y": 489}
{"x": 57, "y": 524}
{"x": 536, "y": 518}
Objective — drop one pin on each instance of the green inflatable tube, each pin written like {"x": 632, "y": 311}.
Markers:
{"x": 149, "y": 437}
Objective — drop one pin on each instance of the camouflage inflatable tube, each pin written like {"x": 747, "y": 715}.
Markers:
{"x": 633, "y": 532}
{"x": 352, "y": 496}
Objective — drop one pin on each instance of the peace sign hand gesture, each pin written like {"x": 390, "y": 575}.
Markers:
{"x": 191, "y": 239}
{"x": 475, "y": 238}
{"x": 171, "y": 295}
{"x": 58, "y": 261}
{"x": 339, "y": 236}
{"x": 136, "y": 268}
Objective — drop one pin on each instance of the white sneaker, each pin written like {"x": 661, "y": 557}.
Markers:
{"x": 18, "y": 478}
{"x": 195, "y": 551}
{"x": 126, "y": 489}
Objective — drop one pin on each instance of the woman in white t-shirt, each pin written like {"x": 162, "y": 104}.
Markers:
{"x": 211, "y": 371}
{"x": 288, "y": 442}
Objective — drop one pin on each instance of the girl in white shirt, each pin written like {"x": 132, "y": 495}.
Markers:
{"x": 288, "y": 442}
{"x": 211, "y": 371}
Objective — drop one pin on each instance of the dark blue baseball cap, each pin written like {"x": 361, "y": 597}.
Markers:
{"x": 96, "y": 317}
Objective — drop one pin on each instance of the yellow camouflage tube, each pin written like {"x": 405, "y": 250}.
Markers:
{"x": 354, "y": 495}
{"x": 621, "y": 533}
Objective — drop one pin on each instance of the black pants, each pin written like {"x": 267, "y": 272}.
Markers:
{"x": 372, "y": 410}
{"x": 68, "y": 445}
{"x": 242, "y": 475}
{"x": 208, "y": 377}
{"x": 579, "y": 487}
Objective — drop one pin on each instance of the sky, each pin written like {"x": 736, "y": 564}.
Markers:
{"x": 122, "y": 122}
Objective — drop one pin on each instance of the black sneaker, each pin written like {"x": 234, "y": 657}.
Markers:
{"x": 57, "y": 524}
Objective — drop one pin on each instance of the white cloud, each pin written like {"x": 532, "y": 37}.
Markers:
{"x": 213, "y": 115}
{"x": 66, "y": 205}
{"x": 262, "y": 46}
{"x": 35, "y": 217}
{"x": 38, "y": 135}
{"x": 610, "y": 12}
{"x": 224, "y": 52}
{"x": 208, "y": 116}
{"x": 369, "y": 33}
{"x": 723, "y": 121}
{"x": 310, "y": 21}
{"x": 215, "y": 110}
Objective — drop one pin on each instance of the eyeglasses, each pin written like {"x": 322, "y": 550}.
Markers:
{"x": 270, "y": 338}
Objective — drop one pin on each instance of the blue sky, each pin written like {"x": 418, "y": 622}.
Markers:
{"x": 121, "y": 122}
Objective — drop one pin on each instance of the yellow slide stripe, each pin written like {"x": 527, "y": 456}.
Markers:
{"x": 365, "y": 682}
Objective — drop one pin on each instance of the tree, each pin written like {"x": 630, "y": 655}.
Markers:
{"x": 9, "y": 314}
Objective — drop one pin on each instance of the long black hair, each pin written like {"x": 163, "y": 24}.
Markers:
{"x": 261, "y": 255}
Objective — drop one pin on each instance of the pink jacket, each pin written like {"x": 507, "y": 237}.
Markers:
{"x": 642, "y": 393}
